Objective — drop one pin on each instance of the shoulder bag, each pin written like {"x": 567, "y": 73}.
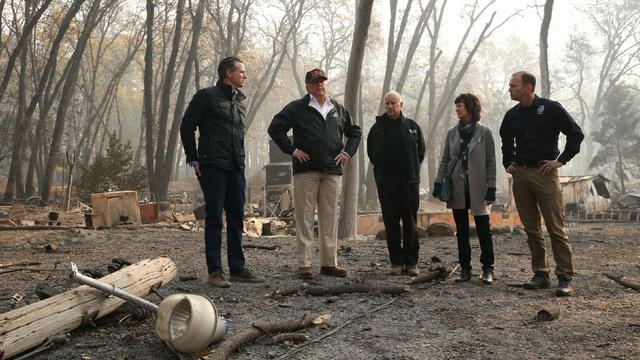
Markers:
{"x": 447, "y": 185}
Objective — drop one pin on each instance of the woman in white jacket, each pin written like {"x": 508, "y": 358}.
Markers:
{"x": 469, "y": 157}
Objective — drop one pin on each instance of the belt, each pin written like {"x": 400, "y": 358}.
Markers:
{"x": 530, "y": 164}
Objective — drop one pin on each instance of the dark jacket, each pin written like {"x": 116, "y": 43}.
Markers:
{"x": 322, "y": 140}
{"x": 413, "y": 143}
{"x": 530, "y": 134}
{"x": 220, "y": 121}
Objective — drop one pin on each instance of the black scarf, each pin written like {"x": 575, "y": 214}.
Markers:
{"x": 466, "y": 132}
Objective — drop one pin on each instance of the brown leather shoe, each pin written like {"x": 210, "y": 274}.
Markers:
{"x": 333, "y": 271}
{"x": 305, "y": 273}
{"x": 246, "y": 276}
{"x": 217, "y": 279}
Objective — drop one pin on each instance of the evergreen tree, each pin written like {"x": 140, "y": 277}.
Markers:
{"x": 619, "y": 135}
{"x": 112, "y": 171}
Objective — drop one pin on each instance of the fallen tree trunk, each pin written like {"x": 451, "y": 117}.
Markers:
{"x": 24, "y": 328}
{"x": 622, "y": 282}
{"x": 246, "y": 336}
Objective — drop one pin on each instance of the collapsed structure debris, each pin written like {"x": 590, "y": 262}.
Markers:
{"x": 26, "y": 217}
{"x": 257, "y": 227}
{"x": 5, "y": 216}
{"x": 113, "y": 208}
{"x": 278, "y": 189}
{"x": 188, "y": 322}
{"x": 585, "y": 194}
{"x": 629, "y": 201}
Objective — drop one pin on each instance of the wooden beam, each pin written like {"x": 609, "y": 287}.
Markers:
{"x": 29, "y": 326}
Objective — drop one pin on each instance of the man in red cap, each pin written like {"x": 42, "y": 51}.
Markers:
{"x": 318, "y": 154}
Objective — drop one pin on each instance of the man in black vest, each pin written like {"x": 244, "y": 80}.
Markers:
{"x": 218, "y": 113}
{"x": 396, "y": 149}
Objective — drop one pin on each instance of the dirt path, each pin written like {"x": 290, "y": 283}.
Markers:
{"x": 448, "y": 320}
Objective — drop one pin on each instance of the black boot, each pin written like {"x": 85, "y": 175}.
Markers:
{"x": 564, "y": 286}
{"x": 539, "y": 281}
{"x": 465, "y": 275}
{"x": 487, "y": 276}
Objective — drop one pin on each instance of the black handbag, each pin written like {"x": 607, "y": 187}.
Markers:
{"x": 446, "y": 192}
{"x": 447, "y": 188}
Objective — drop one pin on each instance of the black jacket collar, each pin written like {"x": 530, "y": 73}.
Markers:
{"x": 307, "y": 98}
{"x": 228, "y": 91}
{"x": 536, "y": 102}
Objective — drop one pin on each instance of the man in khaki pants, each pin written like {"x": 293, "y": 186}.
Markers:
{"x": 533, "y": 160}
{"x": 318, "y": 155}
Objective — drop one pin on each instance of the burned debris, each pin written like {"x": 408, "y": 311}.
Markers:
{"x": 29, "y": 326}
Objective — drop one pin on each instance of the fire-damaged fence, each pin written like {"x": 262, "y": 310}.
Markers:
{"x": 621, "y": 215}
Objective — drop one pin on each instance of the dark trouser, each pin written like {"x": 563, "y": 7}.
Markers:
{"x": 461, "y": 217}
{"x": 399, "y": 200}
{"x": 223, "y": 189}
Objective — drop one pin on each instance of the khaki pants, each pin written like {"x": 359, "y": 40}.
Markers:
{"x": 311, "y": 188}
{"x": 536, "y": 193}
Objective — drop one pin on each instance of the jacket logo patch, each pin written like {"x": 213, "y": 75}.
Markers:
{"x": 540, "y": 109}
{"x": 413, "y": 131}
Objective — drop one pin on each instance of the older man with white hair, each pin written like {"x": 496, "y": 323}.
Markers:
{"x": 395, "y": 146}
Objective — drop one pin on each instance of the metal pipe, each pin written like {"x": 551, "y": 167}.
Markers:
{"x": 110, "y": 289}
